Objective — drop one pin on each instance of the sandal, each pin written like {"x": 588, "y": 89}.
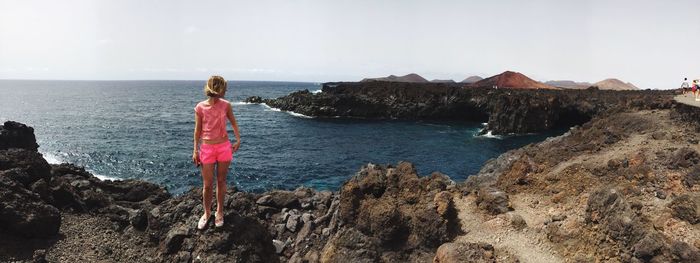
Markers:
{"x": 203, "y": 222}
{"x": 218, "y": 220}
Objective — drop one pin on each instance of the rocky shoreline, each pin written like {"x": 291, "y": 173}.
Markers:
{"x": 506, "y": 111}
{"x": 622, "y": 187}
{"x": 383, "y": 212}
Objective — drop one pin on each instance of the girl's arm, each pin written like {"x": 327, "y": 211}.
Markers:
{"x": 197, "y": 134}
{"x": 232, "y": 119}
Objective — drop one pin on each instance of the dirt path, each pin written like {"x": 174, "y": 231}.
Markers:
{"x": 687, "y": 99}
{"x": 527, "y": 245}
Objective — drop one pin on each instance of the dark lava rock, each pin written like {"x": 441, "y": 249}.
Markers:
{"x": 395, "y": 213}
{"x": 17, "y": 135}
{"x": 687, "y": 207}
{"x": 608, "y": 208}
{"x": 505, "y": 110}
{"x": 351, "y": 245}
{"x": 134, "y": 191}
{"x": 279, "y": 199}
{"x": 649, "y": 246}
{"x": 493, "y": 201}
{"x": 692, "y": 178}
{"x": 682, "y": 252}
{"x": 465, "y": 252}
{"x": 23, "y": 213}
{"x": 66, "y": 169}
{"x": 254, "y": 99}
{"x": 31, "y": 162}
{"x": 683, "y": 158}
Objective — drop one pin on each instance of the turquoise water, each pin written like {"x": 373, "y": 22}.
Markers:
{"x": 143, "y": 129}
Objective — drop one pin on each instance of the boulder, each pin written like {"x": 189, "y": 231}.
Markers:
{"x": 464, "y": 252}
{"x": 134, "y": 191}
{"x": 493, "y": 201}
{"x": 32, "y": 165}
{"x": 648, "y": 247}
{"x": 173, "y": 239}
{"x": 686, "y": 207}
{"x": 350, "y": 245}
{"x": 683, "y": 158}
{"x": 23, "y": 213}
{"x": 693, "y": 177}
{"x": 17, "y": 135}
{"x": 279, "y": 199}
{"x": 444, "y": 204}
{"x": 397, "y": 210}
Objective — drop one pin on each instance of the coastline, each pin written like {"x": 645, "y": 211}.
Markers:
{"x": 545, "y": 202}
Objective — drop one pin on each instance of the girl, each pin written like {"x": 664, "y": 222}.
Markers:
{"x": 215, "y": 150}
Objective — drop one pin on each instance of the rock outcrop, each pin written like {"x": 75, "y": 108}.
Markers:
{"x": 402, "y": 217}
{"x": 384, "y": 213}
{"x": 505, "y": 110}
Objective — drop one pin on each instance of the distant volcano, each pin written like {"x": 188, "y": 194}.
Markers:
{"x": 615, "y": 84}
{"x": 510, "y": 79}
{"x": 472, "y": 79}
{"x": 413, "y": 77}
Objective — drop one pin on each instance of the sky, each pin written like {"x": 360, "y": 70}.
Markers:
{"x": 653, "y": 44}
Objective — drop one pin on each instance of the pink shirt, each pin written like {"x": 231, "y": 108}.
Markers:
{"x": 213, "y": 118}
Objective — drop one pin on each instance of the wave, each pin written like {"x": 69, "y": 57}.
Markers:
{"x": 316, "y": 91}
{"x": 488, "y": 135}
{"x": 54, "y": 159}
{"x": 242, "y": 103}
{"x": 269, "y": 108}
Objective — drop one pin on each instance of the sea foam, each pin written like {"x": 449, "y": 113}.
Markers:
{"x": 55, "y": 159}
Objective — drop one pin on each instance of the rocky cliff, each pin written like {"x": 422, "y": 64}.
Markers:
{"x": 61, "y": 213}
{"x": 505, "y": 110}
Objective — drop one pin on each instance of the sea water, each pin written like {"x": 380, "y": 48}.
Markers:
{"x": 144, "y": 129}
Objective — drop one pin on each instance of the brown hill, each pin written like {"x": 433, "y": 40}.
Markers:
{"x": 472, "y": 79}
{"x": 568, "y": 84}
{"x": 413, "y": 77}
{"x": 615, "y": 84}
{"x": 510, "y": 79}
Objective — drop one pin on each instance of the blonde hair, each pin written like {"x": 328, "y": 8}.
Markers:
{"x": 215, "y": 87}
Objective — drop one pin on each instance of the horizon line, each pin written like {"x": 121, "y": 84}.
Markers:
{"x": 242, "y": 80}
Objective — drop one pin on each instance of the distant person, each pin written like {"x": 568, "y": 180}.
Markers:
{"x": 685, "y": 86}
{"x": 215, "y": 150}
{"x": 695, "y": 89}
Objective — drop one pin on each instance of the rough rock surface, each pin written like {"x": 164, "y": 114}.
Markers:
{"x": 505, "y": 110}
{"x": 384, "y": 213}
{"x": 465, "y": 252}
{"x": 612, "y": 190}
{"x": 394, "y": 210}
{"x": 17, "y": 135}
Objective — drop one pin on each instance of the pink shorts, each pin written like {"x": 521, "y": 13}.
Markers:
{"x": 212, "y": 153}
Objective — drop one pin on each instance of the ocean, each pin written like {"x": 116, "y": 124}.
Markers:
{"x": 143, "y": 130}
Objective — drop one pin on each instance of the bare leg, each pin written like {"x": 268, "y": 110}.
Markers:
{"x": 208, "y": 178}
{"x": 221, "y": 173}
